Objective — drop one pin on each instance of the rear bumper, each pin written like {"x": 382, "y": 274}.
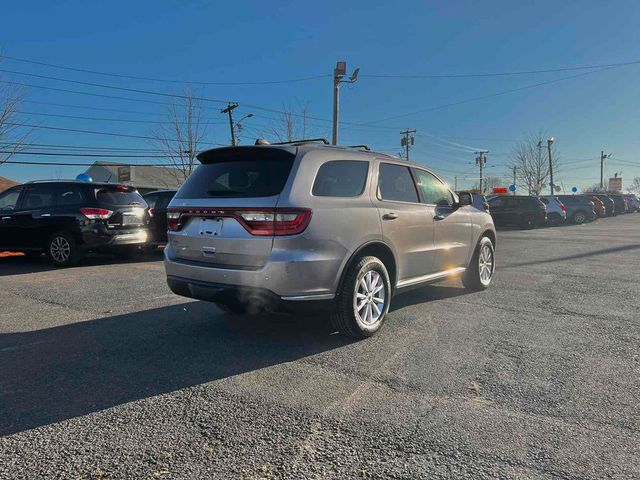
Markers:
{"x": 311, "y": 278}
{"x": 103, "y": 240}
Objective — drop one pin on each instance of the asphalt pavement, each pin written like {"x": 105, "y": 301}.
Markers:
{"x": 106, "y": 374}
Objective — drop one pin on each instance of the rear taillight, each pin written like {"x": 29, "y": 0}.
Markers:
{"x": 258, "y": 221}
{"x": 275, "y": 222}
{"x": 96, "y": 213}
{"x": 174, "y": 220}
{"x": 563, "y": 208}
{"x": 152, "y": 212}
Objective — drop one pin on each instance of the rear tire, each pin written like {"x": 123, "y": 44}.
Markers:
{"x": 480, "y": 272}
{"x": 62, "y": 250}
{"x": 579, "y": 217}
{"x": 363, "y": 299}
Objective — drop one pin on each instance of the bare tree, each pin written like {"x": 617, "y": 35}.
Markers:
{"x": 291, "y": 124}
{"x": 635, "y": 186}
{"x": 531, "y": 159}
{"x": 492, "y": 182}
{"x": 180, "y": 138}
{"x": 13, "y": 135}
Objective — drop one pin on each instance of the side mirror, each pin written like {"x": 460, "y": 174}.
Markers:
{"x": 464, "y": 198}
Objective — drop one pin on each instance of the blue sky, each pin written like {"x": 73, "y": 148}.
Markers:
{"x": 255, "y": 41}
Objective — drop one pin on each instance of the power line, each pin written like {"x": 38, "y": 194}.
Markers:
{"x": 164, "y": 80}
{"x": 64, "y": 154}
{"x": 67, "y": 164}
{"x": 109, "y": 119}
{"x": 500, "y": 74}
{"x": 93, "y": 132}
{"x": 81, "y": 147}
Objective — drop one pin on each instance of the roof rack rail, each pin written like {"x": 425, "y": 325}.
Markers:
{"x": 304, "y": 140}
{"x": 364, "y": 147}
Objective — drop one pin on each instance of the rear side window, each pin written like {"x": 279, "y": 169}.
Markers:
{"x": 38, "y": 196}
{"x": 151, "y": 199}
{"x": 239, "y": 172}
{"x": 395, "y": 183}
{"x": 120, "y": 196}
{"x": 341, "y": 178}
{"x": 70, "y": 195}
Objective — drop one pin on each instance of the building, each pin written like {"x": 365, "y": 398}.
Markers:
{"x": 6, "y": 183}
{"x": 144, "y": 178}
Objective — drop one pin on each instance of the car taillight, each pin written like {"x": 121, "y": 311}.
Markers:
{"x": 258, "y": 221}
{"x": 152, "y": 212}
{"x": 275, "y": 222}
{"x": 563, "y": 208}
{"x": 174, "y": 220}
{"x": 96, "y": 213}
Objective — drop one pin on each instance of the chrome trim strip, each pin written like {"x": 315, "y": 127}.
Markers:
{"x": 430, "y": 277}
{"x": 298, "y": 298}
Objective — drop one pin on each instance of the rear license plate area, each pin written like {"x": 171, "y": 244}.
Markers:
{"x": 130, "y": 220}
{"x": 210, "y": 227}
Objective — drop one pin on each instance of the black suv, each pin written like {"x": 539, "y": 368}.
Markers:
{"x": 524, "y": 211}
{"x": 66, "y": 219}
{"x": 158, "y": 202}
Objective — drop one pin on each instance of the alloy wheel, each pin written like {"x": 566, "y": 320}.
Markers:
{"x": 486, "y": 261}
{"x": 60, "y": 249}
{"x": 369, "y": 299}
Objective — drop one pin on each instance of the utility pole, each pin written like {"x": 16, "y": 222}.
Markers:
{"x": 514, "y": 178}
{"x": 481, "y": 160}
{"x": 338, "y": 74}
{"x": 407, "y": 140}
{"x": 455, "y": 183}
{"x": 603, "y": 157}
{"x": 229, "y": 111}
{"x": 549, "y": 143}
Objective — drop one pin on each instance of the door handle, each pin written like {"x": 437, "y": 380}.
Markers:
{"x": 5, "y": 218}
{"x": 45, "y": 215}
{"x": 390, "y": 216}
{"x": 439, "y": 216}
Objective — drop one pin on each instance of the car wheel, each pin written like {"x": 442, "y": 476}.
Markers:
{"x": 579, "y": 218}
{"x": 62, "y": 250}
{"x": 480, "y": 272}
{"x": 363, "y": 300}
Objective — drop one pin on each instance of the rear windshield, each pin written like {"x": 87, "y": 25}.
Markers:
{"x": 246, "y": 174}
{"x": 120, "y": 196}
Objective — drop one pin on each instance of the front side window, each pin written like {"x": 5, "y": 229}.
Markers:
{"x": 9, "y": 199}
{"x": 395, "y": 183}
{"x": 341, "y": 178}
{"x": 432, "y": 190}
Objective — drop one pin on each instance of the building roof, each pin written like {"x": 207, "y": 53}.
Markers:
{"x": 6, "y": 183}
{"x": 139, "y": 176}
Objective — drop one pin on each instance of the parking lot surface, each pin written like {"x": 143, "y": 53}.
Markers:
{"x": 105, "y": 374}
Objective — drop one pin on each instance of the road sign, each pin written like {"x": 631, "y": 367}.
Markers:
{"x": 512, "y": 188}
{"x": 615, "y": 184}
{"x": 574, "y": 189}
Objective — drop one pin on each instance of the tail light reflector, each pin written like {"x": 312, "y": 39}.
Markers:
{"x": 96, "y": 213}
{"x": 256, "y": 221}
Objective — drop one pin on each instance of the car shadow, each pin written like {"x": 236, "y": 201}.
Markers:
{"x": 424, "y": 294}
{"x": 18, "y": 265}
{"x": 58, "y": 373}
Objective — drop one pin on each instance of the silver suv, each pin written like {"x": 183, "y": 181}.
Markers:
{"x": 305, "y": 223}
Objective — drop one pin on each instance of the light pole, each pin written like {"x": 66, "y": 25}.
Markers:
{"x": 549, "y": 143}
{"x": 238, "y": 125}
{"x": 338, "y": 74}
{"x": 603, "y": 157}
{"x": 481, "y": 160}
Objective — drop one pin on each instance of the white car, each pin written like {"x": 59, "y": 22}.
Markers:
{"x": 556, "y": 211}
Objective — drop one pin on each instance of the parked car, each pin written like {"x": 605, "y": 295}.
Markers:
{"x": 556, "y": 211}
{"x": 620, "y": 202}
{"x": 479, "y": 202}
{"x": 523, "y": 211}
{"x": 271, "y": 226}
{"x": 609, "y": 204}
{"x": 66, "y": 219}
{"x": 633, "y": 204}
{"x": 158, "y": 202}
{"x": 598, "y": 206}
{"x": 579, "y": 208}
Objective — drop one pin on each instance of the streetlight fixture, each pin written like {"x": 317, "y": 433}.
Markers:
{"x": 338, "y": 75}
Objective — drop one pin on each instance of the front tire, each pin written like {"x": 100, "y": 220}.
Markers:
{"x": 480, "y": 272}
{"x": 363, "y": 300}
{"x": 62, "y": 250}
